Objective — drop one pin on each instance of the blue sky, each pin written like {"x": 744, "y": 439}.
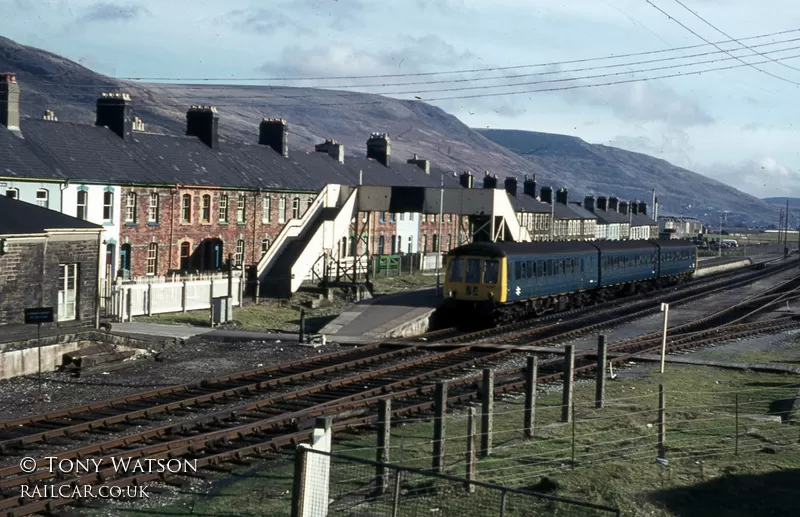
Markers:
{"x": 735, "y": 125}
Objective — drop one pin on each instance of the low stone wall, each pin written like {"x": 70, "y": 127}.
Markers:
{"x": 22, "y": 357}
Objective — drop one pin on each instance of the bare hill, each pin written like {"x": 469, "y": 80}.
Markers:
{"x": 53, "y": 82}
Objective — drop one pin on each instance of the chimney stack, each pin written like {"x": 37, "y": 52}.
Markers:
{"x": 274, "y": 132}
{"x": 602, "y": 203}
{"x": 489, "y": 181}
{"x": 9, "y": 100}
{"x": 623, "y": 207}
{"x": 546, "y": 195}
{"x": 588, "y": 203}
{"x": 634, "y": 207}
{"x": 114, "y": 112}
{"x": 562, "y": 196}
{"x": 203, "y": 122}
{"x": 529, "y": 186}
{"x": 466, "y": 179}
{"x": 642, "y": 208}
{"x": 137, "y": 125}
{"x": 511, "y": 185}
{"x": 613, "y": 204}
{"x": 50, "y": 115}
{"x": 334, "y": 150}
{"x": 379, "y": 148}
{"x": 425, "y": 165}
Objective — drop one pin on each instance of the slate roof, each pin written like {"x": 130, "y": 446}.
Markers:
{"x": 643, "y": 220}
{"x": 65, "y": 150}
{"x": 526, "y": 203}
{"x": 610, "y": 216}
{"x": 19, "y": 217}
{"x": 580, "y": 211}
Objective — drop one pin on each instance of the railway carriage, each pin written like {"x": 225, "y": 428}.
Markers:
{"x": 504, "y": 281}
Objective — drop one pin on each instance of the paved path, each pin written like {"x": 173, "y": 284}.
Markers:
{"x": 376, "y": 317}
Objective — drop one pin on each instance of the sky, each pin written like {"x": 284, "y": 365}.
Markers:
{"x": 734, "y": 125}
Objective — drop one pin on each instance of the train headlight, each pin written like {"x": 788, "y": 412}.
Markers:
{"x": 451, "y": 293}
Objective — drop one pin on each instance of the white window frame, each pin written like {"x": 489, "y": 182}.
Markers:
{"x": 43, "y": 202}
{"x": 108, "y": 206}
{"x": 82, "y": 208}
{"x": 152, "y": 259}
{"x": 130, "y": 207}
{"x": 153, "y": 208}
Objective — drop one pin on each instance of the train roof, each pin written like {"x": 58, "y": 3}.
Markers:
{"x": 675, "y": 243}
{"x": 625, "y": 245}
{"x": 511, "y": 249}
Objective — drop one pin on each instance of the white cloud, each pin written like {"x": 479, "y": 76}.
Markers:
{"x": 764, "y": 177}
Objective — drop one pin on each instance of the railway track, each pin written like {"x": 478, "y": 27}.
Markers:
{"x": 261, "y": 426}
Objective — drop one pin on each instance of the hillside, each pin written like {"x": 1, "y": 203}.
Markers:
{"x": 794, "y": 202}
{"x": 52, "y": 82}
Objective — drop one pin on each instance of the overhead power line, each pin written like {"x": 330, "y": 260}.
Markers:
{"x": 731, "y": 37}
{"x": 720, "y": 48}
{"x": 271, "y": 93}
{"x": 463, "y": 71}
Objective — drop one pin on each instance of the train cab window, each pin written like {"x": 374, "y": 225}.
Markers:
{"x": 491, "y": 271}
{"x": 531, "y": 269}
{"x": 457, "y": 270}
{"x": 518, "y": 270}
{"x": 473, "y": 271}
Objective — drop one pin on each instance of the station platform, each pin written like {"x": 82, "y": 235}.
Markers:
{"x": 385, "y": 317}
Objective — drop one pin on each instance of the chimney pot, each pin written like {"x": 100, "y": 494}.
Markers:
{"x": 138, "y": 125}
{"x": 334, "y": 150}
{"x": 489, "y": 181}
{"x": 546, "y": 194}
{"x": 203, "y": 122}
{"x": 274, "y": 132}
{"x": 562, "y": 196}
{"x": 50, "y": 115}
{"x": 425, "y": 165}
{"x": 466, "y": 179}
{"x": 114, "y": 112}
{"x": 379, "y": 147}
{"x": 529, "y": 186}
{"x": 511, "y": 184}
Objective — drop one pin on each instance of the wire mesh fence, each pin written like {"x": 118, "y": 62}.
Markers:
{"x": 364, "y": 488}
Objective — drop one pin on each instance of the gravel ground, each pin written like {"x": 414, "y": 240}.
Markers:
{"x": 680, "y": 315}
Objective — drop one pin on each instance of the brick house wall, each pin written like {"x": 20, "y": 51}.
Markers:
{"x": 29, "y": 274}
{"x": 211, "y": 232}
{"x": 429, "y": 232}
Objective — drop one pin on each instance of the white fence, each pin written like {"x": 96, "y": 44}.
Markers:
{"x": 129, "y": 300}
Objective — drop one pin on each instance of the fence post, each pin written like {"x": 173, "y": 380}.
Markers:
{"x": 302, "y": 336}
{"x": 129, "y": 301}
{"x": 662, "y": 422}
{"x": 396, "y": 498}
{"x": 572, "y": 463}
{"x": 487, "y": 410}
{"x": 439, "y": 427}
{"x": 384, "y": 436}
{"x": 472, "y": 449}
{"x": 299, "y": 479}
{"x": 211, "y": 292}
{"x": 503, "y": 495}
{"x": 736, "y": 436}
{"x": 569, "y": 364}
{"x": 531, "y": 373}
{"x": 149, "y": 299}
{"x": 184, "y": 296}
{"x": 600, "y": 388}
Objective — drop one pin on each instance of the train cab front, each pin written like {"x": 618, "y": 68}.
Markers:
{"x": 471, "y": 290}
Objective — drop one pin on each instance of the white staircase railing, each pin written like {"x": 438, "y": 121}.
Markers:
{"x": 327, "y": 197}
{"x": 327, "y": 236}
{"x": 503, "y": 208}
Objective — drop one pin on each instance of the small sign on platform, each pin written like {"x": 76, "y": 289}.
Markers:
{"x": 39, "y": 315}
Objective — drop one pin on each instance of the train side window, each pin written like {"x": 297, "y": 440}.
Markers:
{"x": 524, "y": 270}
{"x": 491, "y": 271}
{"x": 517, "y": 270}
{"x": 583, "y": 266}
{"x": 473, "y": 271}
{"x": 531, "y": 269}
{"x": 539, "y": 268}
{"x": 457, "y": 270}
{"x": 563, "y": 267}
{"x": 549, "y": 268}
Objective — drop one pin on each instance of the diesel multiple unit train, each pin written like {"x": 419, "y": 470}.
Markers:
{"x": 503, "y": 281}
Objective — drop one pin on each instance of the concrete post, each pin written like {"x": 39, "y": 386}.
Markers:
{"x": 149, "y": 299}
{"x": 299, "y": 479}
{"x": 184, "y": 296}
{"x": 569, "y": 365}
{"x": 302, "y": 336}
{"x": 472, "y": 449}
{"x": 487, "y": 411}
{"x": 600, "y": 388}
{"x": 662, "y": 422}
{"x": 439, "y": 421}
{"x": 384, "y": 436}
{"x": 531, "y": 372}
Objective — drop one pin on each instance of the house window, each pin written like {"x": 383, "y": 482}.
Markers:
{"x": 264, "y": 246}
{"x": 399, "y": 244}
{"x": 223, "y": 208}
{"x": 449, "y": 218}
{"x": 309, "y": 203}
{"x": 205, "y": 214}
{"x": 240, "y": 206}
{"x": 449, "y": 241}
{"x": 152, "y": 258}
{"x": 12, "y": 193}
{"x": 392, "y": 218}
{"x": 433, "y": 218}
{"x": 410, "y": 244}
{"x": 83, "y": 197}
{"x": 383, "y": 217}
{"x": 153, "y": 208}
{"x": 239, "y": 252}
{"x": 381, "y": 244}
{"x": 67, "y": 292}
{"x": 424, "y": 244}
{"x": 130, "y": 207}
{"x": 43, "y": 198}
{"x": 435, "y": 242}
{"x": 282, "y": 210}
{"x": 296, "y": 208}
{"x": 403, "y": 216}
{"x": 185, "y": 255}
{"x": 393, "y": 245}
{"x": 424, "y": 218}
{"x": 266, "y": 209}
{"x": 108, "y": 206}
{"x": 187, "y": 208}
